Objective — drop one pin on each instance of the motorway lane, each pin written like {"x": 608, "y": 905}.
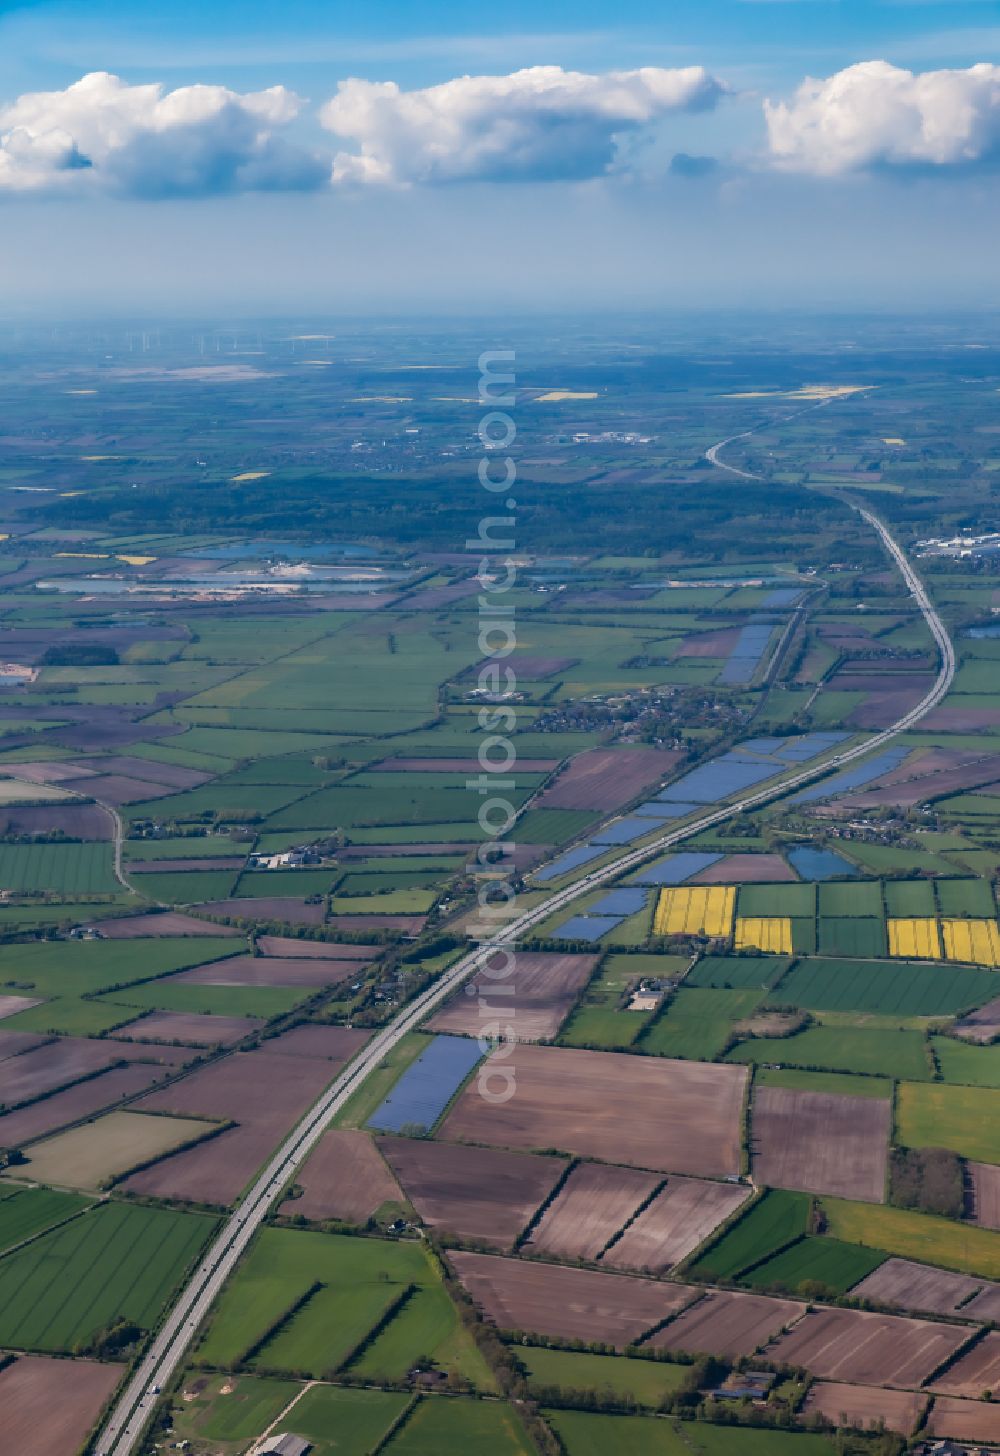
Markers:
{"x": 128, "y": 1417}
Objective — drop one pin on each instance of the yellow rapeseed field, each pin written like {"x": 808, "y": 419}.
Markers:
{"x": 919, "y": 938}
{"x": 769, "y": 933}
{"x": 977, "y": 941}
{"x": 695, "y": 910}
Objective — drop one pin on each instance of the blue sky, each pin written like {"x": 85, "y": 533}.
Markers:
{"x": 670, "y": 155}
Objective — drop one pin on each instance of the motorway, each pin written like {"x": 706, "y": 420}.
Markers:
{"x": 122, "y": 1430}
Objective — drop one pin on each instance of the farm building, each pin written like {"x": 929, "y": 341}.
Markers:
{"x": 285, "y": 1445}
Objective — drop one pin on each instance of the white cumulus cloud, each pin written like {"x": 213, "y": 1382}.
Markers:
{"x": 148, "y": 142}
{"x": 876, "y": 114}
{"x": 540, "y": 124}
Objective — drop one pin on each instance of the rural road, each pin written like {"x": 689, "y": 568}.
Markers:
{"x": 122, "y": 1430}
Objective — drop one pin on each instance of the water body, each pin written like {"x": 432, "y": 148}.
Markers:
{"x": 820, "y": 864}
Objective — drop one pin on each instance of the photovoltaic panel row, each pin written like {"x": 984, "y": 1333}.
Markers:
{"x": 852, "y": 778}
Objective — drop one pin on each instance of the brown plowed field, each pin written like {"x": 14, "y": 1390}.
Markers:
{"x": 985, "y": 1193}
{"x": 544, "y": 988}
{"x": 745, "y": 869}
{"x": 727, "y": 1324}
{"x": 11, "y": 1005}
{"x": 916, "y": 1286}
{"x": 294, "y": 949}
{"x": 261, "y": 1092}
{"x": 190, "y": 1027}
{"x": 270, "y": 971}
{"x": 956, "y": 719}
{"x": 47, "y": 1407}
{"x": 62, "y": 1108}
{"x": 864, "y": 1405}
{"x": 964, "y": 1420}
{"x": 338, "y": 1043}
{"x": 982, "y": 1025}
{"x": 820, "y": 1143}
{"x": 718, "y": 643}
{"x": 53, "y": 1065}
{"x": 12, "y": 1043}
{"x": 344, "y": 1178}
{"x": 172, "y": 922}
{"x": 476, "y": 1193}
{"x": 408, "y": 924}
{"x": 606, "y": 778}
{"x": 275, "y": 907}
{"x": 78, "y": 821}
{"x": 678, "y": 1117}
{"x": 880, "y": 1349}
{"x": 679, "y": 1218}
{"x": 977, "y": 1371}
{"x": 117, "y": 789}
{"x": 149, "y": 770}
{"x": 573, "y": 1304}
{"x": 592, "y": 1206}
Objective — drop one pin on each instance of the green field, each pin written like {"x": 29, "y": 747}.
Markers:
{"x": 770, "y": 1223}
{"x": 738, "y": 973}
{"x": 583, "y": 1434}
{"x": 851, "y": 937}
{"x": 911, "y": 899}
{"x": 645, "y": 1381}
{"x": 880, "y": 1053}
{"x": 80, "y": 967}
{"x": 261, "y": 1001}
{"x": 186, "y": 887}
{"x": 188, "y": 846}
{"x": 850, "y": 898}
{"x": 972, "y": 898}
{"x": 359, "y": 1279}
{"x": 75, "y": 869}
{"x": 920, "y": 1236}
{"x": 118, "y": 1260}
{"x": 975, "y": 1066}
{"x": 763, "y": 900}
{"x": 841, "y": 1083}
{"x": 343, "y": 1422}
{"x": 697, "y": 1023}
{"x": 230, "y": 1409}
{"x": 258, "y": 884}
{"x": 814, "y": 1261}
{"x": 25, "y": 1212}
{"x": 439, "y": 1425}
{"x": 965, "y": 1119}
{"x": 903, "y": 988}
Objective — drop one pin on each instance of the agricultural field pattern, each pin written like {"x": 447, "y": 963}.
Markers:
{"x": 507, "y": 975}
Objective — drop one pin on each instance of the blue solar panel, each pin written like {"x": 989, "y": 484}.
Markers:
{"x": 852, "y": 778}
{"x": 621, "y": 901}
{"x": 761, "y": 745}
{"x": 782, "y": 596}
{"x": 664, "y": 809}
{"x": 428, "y": 1084}
{"x": 624, "y": 831}
{"x": 677, "y": 868}
{"x": 809, "y": 745}
{"x": 571, "y": 860}
{"x": 711, "y": 782}
{"x": 586, "y": 927}
{"x": 743, "y": 659}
